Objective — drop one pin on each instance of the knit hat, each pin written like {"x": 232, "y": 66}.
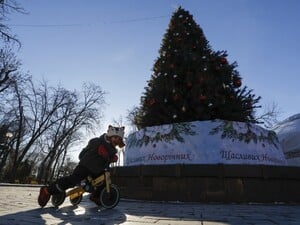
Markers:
{"x": 115, "y": 131}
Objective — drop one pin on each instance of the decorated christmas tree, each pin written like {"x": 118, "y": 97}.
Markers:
{"x": 192, "y": 82}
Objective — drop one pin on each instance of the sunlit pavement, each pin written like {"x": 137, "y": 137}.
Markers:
{"x": 18, "y": 206}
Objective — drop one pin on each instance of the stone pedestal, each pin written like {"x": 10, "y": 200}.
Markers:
{"x": 209, "y": 183}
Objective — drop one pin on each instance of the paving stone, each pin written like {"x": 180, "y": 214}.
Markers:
{"x": 18, "y": 206}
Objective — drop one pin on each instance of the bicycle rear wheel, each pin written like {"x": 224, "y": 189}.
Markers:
{"x": 58, "y": 199}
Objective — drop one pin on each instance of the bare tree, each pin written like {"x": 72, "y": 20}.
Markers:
{"x": 269, "y": 117}
{"x": 133, "y": 118}
{"x": 80, "y": 112}
{"x": 8, "y": 120}
{"x": 7, "y": 7}
{"x": 45, "y": 122}
{"x": 34, "y": 110}
{"x": 8, "y": 67}
{"x": 8, "y": 62}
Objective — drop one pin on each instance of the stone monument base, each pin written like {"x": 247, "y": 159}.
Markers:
{"x": 209, "y": 183}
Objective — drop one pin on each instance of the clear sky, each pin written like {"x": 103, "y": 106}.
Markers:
{"x": 114, "y": 44}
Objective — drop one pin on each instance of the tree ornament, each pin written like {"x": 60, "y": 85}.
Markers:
{"x": 237, "y": 83}
{"x": 202, "y": 97}
{"x": 249, "y": 105}
{"x": 152, "y": 101}
{"x": 175, "y": 97}
{"x": 201, "y": 80}
{"x": 223, "y": 61}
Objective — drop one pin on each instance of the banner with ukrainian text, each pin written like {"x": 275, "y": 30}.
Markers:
{"x": 204, "y": 142}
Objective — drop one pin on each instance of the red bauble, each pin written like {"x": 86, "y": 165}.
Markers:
{"x": 175, "y": 97}
{"x": 237, "y": 83}
{"x": 152, "y": 101}
{"x": 201, "y": 80}
{"x": 223, "y": 60}
{"x": 189, "y": 85}
{"x": 202, "y": 97}
{"x": 249, "y": 105}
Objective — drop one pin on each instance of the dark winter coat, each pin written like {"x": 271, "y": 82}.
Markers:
{"x": 90, "y": 157}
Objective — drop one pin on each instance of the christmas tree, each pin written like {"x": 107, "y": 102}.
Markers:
{"x": 192, "y": 82}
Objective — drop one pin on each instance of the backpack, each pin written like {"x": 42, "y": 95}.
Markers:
{"x": 92, "y": 144}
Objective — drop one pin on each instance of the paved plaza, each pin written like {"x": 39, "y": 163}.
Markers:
{"x": 18, "y": 206}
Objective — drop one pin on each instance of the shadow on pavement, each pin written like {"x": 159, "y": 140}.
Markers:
{"x": 163, "y": 210}
{"x": 73, "y": 215}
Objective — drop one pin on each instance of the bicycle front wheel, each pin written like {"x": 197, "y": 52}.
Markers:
{"x": 111, "y": 199}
